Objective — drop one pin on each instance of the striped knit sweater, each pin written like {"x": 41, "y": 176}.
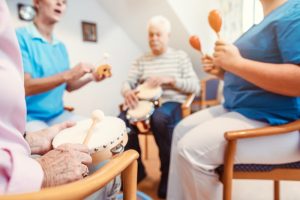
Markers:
{"x": 172, "y": 63}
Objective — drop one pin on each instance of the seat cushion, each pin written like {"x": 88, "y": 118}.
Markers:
{"x": 259, "y": 167}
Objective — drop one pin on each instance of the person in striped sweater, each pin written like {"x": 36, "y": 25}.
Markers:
{"x": 172, "y": 70}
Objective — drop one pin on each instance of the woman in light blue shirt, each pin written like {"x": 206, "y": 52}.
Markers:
{"x": 261, "y": 87}
{"x": 47, "y": 68}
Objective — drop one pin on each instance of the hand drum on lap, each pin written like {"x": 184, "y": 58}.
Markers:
{"x": 140, "y": 116}
{"x": 152, "y": 94}
{"x": 108, "y": 138}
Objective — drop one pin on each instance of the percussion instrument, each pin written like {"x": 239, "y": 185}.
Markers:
{"x": 140, "y": 115}
{"x": 195, "y": 43}
{"x": 104, "y": 71}
{"x": 109, "y": 137}
{"x": 215, "y": 21}
{"x": 145, "y": 92}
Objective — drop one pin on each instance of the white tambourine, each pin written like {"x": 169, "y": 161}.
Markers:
{"x": 140, "y": 115}
{"x": 145, "y": 92}
{"x": 109, "y": 137}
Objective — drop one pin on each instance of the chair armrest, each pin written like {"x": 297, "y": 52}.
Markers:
{"x": 188, "y": 102}
{"x": 186, "y": 106}
{"x": 265, "y": 131}
{"x": 86, "y": 186}
{"x": 69, "y": 108}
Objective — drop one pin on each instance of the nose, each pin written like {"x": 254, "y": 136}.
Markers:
{"x": 59, "y": 2}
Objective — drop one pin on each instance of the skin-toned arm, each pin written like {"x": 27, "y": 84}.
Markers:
{"x": 282, "y": 79}
{"x": 40, "y": 142}
{"x": 76, "y": 84}
{"x": 39, "y": 85}
{"x": 131, "y": 99}
{"x": 71, "y": 77}
{"x": 161, "y": 80}
{"x": 65, "y": 164}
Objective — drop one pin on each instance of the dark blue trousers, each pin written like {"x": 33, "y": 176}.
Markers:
{"x": 163, "y": 121}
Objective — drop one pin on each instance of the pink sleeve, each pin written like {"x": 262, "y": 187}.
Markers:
{"x": 19, "y": 173}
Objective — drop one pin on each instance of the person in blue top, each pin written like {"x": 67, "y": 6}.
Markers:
{"x": 261, "y": 87}
{"x": 47, "y": 68}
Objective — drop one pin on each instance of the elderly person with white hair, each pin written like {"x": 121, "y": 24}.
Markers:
{"x": 172, "y": 70}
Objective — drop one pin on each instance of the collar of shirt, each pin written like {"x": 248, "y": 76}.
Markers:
{"x": 35, "y": 34}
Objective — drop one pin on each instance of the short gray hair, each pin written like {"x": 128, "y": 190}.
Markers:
{"x": 161, "y": 21}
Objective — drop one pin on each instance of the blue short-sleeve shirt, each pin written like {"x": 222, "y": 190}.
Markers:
{"x": 43, "y": 59}
{"x": 275, "y": 40}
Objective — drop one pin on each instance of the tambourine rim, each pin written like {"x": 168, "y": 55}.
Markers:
{"x": 101, "y": 147}
{"x": 134, "y": 120}
{"x": 156, "y": 97}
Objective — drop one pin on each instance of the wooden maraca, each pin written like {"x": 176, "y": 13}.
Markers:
{"x": 104, "y": 70}
{"x": 97, "y": 116}
{"x": 195, "y": 43}
{"x": 215, "y": 21}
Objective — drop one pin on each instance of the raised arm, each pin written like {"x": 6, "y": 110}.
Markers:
{"x": 71, "y": 77}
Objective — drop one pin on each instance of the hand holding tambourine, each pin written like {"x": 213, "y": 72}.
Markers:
{"x": 104, "y": 135}
{"x": 103, "y": 71}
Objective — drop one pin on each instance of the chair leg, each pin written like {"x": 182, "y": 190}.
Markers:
{"x": 129, "y": 180}
{"x": 228, "y": 170}
{"x": 227, "y": 188}
{"x": 276, "y": 190}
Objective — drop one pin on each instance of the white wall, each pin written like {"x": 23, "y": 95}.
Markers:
{"x": 194, "y": 15}
{"x": 111, "y": 38}
{"x": 133, "y": 16}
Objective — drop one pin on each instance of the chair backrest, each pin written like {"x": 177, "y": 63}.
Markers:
{"x": 211, "y": 88}
{"x": 209, "y": 95}
{"x": 125, "y": 163}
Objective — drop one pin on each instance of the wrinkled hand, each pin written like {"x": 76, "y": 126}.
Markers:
{"x": 156, "y": 81}
{"x": 65, "y": 164}
{"x": 131, "y": 99}
{"x": 210, "y": 68}
{"x": 77, "y": 72}
{"x": 226, "y": 55}
{"x": 40, "y": 142}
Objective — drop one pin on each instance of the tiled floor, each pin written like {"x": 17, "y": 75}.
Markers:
{"x": 243, "y": 190}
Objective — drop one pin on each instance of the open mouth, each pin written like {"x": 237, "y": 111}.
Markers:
{"x": 57, "y": 11}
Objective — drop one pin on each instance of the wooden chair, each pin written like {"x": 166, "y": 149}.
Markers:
{"x": 125, "y": 163}
{"x": 209, "y": 95}
{"x": 288, "y": 171}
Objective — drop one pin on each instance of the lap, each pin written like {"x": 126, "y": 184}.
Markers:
{"x": 190, "y": 122}
{"x": 35, "y": 125}
{"x": 65, "y": 116}
{"x": 205, "y": 142}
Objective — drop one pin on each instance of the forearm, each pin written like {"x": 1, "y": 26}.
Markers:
{"x": 74, "y": 85}
{"x": 125, "y": 87}
{"x": 39, "y": 85}
{"x": 282, "y": 79}
{"x": 187, "y": 85}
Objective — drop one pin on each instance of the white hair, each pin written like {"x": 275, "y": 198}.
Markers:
{"x": 160, "y": 21}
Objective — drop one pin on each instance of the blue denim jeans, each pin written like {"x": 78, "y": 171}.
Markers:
{"x": 163, "y": 121}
